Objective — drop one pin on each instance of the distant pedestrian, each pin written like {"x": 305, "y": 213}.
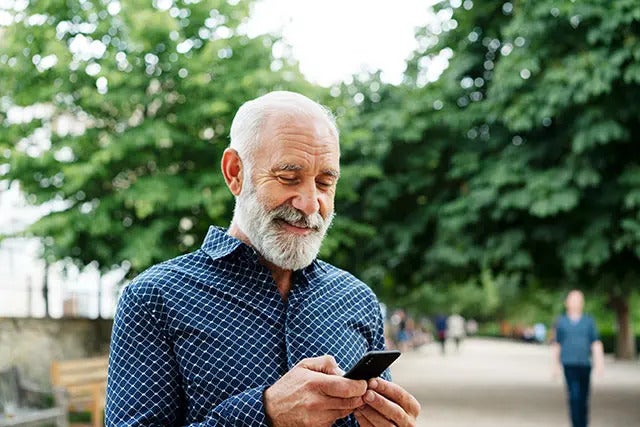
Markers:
{"x": 455, "y": 329}
{"x": 471, "y": 327}
{"x": 441, "y": 331}
{"x": 403, "y": 337}
{"x": 576, "y": 340}
{"x": 540, "y": 332}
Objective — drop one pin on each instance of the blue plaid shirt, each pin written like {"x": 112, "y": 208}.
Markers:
{"x": 197, "y": 339}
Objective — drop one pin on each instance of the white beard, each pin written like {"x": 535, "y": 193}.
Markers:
{"x": 267, "y": 235}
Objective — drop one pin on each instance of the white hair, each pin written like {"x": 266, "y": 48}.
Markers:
{"x": 251, "y": 116}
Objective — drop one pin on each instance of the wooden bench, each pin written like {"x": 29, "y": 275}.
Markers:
{"x": 85, "y": 382}
{"x": 22, "y": 404}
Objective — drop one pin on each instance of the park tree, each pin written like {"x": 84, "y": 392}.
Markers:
{"x": 400, "y": 152}
{"x": 115, "y": 115}
{"x": 518, "y": 166}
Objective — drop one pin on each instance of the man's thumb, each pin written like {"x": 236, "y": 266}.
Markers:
{"x": 325, "y": 364}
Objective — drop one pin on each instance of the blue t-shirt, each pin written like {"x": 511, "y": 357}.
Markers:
{"x": 575, "y": 339}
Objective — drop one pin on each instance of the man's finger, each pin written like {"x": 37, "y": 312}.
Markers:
{"x": 336, "y": 403}
{"x": 388, "y": 409}
{"x": 336, "y": 386}
{"x": 326, "y": 364}
{"x": 396, "y": 394}
{"x": 371, "y": 417}
{"x": 362, "y": 420}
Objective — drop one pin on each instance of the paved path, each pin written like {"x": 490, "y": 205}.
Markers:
{"x": 493, "y": 383}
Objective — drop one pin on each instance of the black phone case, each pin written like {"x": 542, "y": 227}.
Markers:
{"x": 372, "y": 364}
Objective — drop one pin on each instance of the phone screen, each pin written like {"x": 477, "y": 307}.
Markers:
{"x": 372, "y": 364}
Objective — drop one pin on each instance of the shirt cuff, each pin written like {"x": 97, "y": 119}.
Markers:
{"x": 244, "y": 409}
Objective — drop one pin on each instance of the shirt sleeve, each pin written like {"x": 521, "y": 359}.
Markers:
{"x": 558, "y": 335}
{"x": 144, "y": 386}
{"x": 378, "y": 339}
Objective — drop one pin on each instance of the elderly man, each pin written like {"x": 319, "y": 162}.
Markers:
{"x": 576, "y": 340}
{"x": 251, "y": 329}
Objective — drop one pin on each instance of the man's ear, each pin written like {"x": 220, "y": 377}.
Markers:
{"x": 232, "y": 170}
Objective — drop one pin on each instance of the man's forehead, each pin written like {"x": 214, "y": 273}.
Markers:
{"x": 300, "y": 122}
{"x": 575, "y": 294}
{"x": 288, "y": 134}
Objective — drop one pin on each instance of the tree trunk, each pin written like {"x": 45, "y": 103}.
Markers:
{"x": 625, "y": 339}
{"x": 45, "y": 288}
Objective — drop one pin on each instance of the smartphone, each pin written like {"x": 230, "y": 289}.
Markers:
{"x": 372, "y": 364}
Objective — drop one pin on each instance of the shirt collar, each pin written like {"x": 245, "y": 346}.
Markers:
{"x": 218, "y": 243}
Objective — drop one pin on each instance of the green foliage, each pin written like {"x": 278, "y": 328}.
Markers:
{"x": 140, "y": 104}
{"x": 518, "y": 163}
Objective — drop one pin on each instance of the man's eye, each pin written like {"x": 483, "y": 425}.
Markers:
{"x": 287, "y": 179}
{"x": 324, "y": 184}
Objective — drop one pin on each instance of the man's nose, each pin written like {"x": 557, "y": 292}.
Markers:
{"x": 307, "y": 201}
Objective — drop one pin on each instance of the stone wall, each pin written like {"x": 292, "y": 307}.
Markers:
{"x": 32, "y": 344}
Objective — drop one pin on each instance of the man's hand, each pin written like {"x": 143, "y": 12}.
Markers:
{"x": 556, "y": 368}
{"x": 598, "y": 371}
{"x": 387, "y": 404}
{"x": 598, "y": 359}
{"x": 312, "y": 394}
{"x": 556, "y": 371}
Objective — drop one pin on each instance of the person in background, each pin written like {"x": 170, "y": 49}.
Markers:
{"x": 455, "y": 329}
{"x": 540, "y": 332}
{"x": 441, "y": 331}
{"x": 471, "y": 327}
{"x": 402, "y": 336}
{"x": 528, "y": 334}
{"x": 576, "y": 342}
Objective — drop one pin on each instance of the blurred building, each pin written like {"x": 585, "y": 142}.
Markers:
{"x": 71, "y": 292}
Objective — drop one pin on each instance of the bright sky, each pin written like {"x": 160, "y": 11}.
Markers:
{"x": 334, "y": 39}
